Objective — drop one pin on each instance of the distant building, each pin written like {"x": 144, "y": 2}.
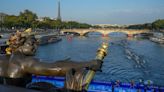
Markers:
{"x": 40, "y": 19}
{"x": 2, "y": 15}
{"x": 110, "y": 25}
{"x": 43, "y": 19}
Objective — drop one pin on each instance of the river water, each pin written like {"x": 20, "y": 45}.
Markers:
{"x": 128, "y": 58}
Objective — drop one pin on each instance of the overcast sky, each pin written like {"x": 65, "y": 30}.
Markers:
{"x": 91, "y": 11}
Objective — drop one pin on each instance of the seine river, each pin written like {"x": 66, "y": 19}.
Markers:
{"x": 128, "y": 58}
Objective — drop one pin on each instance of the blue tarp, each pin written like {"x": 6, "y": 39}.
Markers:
{"x": 97, "y": 86}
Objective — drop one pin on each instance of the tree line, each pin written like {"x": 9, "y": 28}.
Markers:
{"x": 156, "y": 25}
{"x": 28, "y": 19}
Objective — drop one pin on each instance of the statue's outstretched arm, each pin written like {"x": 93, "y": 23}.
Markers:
{"x": 59, "y": 68}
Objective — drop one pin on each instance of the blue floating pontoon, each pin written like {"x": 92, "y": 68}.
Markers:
{"x": 97, "y": 86}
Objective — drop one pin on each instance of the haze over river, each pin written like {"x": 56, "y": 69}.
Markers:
{"x": 127, "y": 59}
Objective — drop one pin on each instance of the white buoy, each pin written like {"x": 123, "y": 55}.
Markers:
{"x": 148, "y": 82}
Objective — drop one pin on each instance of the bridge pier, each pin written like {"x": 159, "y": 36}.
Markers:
{"x": 104, "y": 35}
{"x": 82, "y": 34}
{"x": 130, "y": 35}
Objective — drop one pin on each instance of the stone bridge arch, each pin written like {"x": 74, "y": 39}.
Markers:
{"x": 68, "y": 31}
{"x": 85, "y": 34}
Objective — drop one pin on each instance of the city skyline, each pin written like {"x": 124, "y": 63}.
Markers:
{"x": 91, "y": 11}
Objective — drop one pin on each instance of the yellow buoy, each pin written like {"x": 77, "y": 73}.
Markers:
{"x": 8, "y": 51}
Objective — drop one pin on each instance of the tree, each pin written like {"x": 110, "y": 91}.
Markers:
{"x": 11, "y": 21}
{"x": 74, "y": 24}
{"x": 158, "y": 24}
{"x": 26, "y": 18}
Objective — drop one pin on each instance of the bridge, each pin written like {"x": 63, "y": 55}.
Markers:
{"x": 83, "y": 32}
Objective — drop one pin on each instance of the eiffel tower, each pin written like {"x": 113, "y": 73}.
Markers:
{"x": 59, "y": 16}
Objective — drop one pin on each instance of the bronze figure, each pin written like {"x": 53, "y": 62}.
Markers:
{"x": 18, "y": 67}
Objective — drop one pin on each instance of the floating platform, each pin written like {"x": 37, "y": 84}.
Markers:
{"x": 98, "y": 86}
